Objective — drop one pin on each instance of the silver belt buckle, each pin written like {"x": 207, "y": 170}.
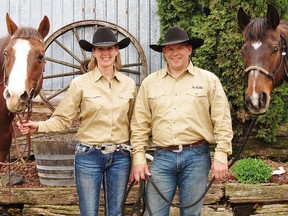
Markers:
{"x": 108, "y": 148}
{"x": 180, "y": 149}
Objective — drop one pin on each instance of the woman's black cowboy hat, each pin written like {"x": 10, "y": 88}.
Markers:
{"x": 104, "y": 37}
{"x": 176, "y": 35}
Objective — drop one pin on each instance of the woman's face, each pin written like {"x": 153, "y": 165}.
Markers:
{"x": 105, "y": 55}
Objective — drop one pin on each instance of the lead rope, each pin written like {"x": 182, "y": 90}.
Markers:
{"x": 28, "y": 141}
{"x": 142, "y": 183}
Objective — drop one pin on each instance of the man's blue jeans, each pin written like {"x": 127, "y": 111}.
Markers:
{"x": 91, "y": 167}
{"x": 188, "y": 170}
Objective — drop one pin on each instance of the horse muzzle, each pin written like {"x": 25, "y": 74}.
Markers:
{"x": 257, "y": 103}
{"x": 16, "y": 102}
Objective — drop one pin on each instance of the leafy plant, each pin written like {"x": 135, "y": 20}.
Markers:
{"x": 251, "y": 171}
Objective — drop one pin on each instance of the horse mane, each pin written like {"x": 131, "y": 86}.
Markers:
{"x": 256, "y": 29}
{"x": 27, "y": 32}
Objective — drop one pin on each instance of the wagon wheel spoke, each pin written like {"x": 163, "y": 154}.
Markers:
{"x": 132, "y": 65}
{"x": 58, "y": 93}
{"x": 76, "y": 33}
{"x": 63, "y": 75}
{"x": 62, "y": 63}
{"x": 130, "y": 71}
{"x": 68, "y": 51}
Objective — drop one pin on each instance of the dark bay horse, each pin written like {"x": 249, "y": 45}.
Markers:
{"x": 22, "y": 63}
{"x": 265, "y": 57}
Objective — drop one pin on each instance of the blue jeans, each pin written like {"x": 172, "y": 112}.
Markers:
{"x": 91, "y": 167}
{"x": 188, "y": 170}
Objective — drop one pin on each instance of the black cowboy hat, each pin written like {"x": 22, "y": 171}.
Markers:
{"x": 176, "y": 35}
{"x": 104, "y": 37}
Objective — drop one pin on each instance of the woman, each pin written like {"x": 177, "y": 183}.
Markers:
{"x": 104, "y": 99}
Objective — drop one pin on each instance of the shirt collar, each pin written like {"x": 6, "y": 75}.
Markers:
{"x": 190, "y": 69}
{"x": 96, "y": 75}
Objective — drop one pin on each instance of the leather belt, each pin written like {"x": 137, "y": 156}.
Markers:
{"x": 107, "y": 147}
{"x": 179, "y": 148}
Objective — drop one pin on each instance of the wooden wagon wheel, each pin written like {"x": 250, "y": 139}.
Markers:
{"x": 65, "y": 59}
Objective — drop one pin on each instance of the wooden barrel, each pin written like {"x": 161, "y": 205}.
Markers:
{"x": 54, "y": 156}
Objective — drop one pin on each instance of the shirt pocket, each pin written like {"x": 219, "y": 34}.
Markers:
{"x": 124, "y": 98}
{"x": 198, "y": 99}
{"x": 92, "y": 101}
{"x": 126, "y": 95}
{"x": 158, "y": 100}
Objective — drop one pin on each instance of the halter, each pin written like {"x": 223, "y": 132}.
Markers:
{"x": 282, "y": 60}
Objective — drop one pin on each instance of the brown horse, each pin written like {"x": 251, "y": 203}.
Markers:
{"x": 21, "y": 73}
{"x": 265, "y": 57}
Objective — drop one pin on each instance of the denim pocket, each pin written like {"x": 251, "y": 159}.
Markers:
{"x": 82, "y": 149}
{"x": 124, "y": 152}
{"x": 158, "y": 151}
{"x": 202, "y": 149}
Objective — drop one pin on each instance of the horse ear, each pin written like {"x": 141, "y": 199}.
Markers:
{"x": 11, "y": 26}
{"x": 273, "y": 16}
{"x": 44, "y": 27}
{"x": 243, "y": 18}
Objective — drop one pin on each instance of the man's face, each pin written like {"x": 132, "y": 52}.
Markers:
{"x": 177, "y": 55}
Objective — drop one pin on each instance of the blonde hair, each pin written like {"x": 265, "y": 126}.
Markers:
{"x": 93, "y": 62}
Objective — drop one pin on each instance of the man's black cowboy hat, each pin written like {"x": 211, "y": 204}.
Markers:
{"x": 104, "y": 37}
{"x": 176, "y": 35}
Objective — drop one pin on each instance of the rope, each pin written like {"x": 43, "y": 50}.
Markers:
{"x": 28, "y": 141}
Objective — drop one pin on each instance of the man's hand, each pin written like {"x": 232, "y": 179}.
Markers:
{"x": 219, "y": 170}
{"x": 140, "y": 171}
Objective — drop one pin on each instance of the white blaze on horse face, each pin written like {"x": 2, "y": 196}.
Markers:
{"x": 255, "y": 96}
{"x": 256, "y": 44}
{"x": 18, "y": 75}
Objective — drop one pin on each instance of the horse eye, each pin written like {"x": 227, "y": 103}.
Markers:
{"x": 275, "y": 49}
{"x": 5, "y": 53}
{"x": 40, "y": 57}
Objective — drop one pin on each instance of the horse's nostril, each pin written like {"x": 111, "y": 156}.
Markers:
{"x": 247, "y": 101}
{"x": 6, "y": 94}
{"x": 263, "y": 99}
{"x": 24, "y": 97}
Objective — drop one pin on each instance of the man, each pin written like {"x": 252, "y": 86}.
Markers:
{"x": 186, "y": 109}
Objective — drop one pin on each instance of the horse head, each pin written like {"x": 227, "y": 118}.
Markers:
{"x": 24, "y": 61}
{"x": 265, "y": 60}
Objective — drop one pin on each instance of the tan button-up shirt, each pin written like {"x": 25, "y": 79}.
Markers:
{"x": 105, "y": 108}
{"x": 185, "y": 110}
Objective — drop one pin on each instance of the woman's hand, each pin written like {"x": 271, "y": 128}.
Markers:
{"x": 27, "y": 127}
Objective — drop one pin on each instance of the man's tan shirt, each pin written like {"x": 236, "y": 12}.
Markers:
{"x": 181, "y": 111}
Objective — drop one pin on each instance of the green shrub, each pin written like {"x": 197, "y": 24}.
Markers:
{"x": 251, "y": 171}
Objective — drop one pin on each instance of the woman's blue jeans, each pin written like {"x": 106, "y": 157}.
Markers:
{"x": 188, "y": 170}
{"x": 91, "y": 167}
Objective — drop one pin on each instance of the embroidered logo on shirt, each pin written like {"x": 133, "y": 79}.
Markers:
{"x": 197, "y": 87}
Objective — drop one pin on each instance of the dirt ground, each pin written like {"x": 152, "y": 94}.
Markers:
{"x": 30, "y": 177}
